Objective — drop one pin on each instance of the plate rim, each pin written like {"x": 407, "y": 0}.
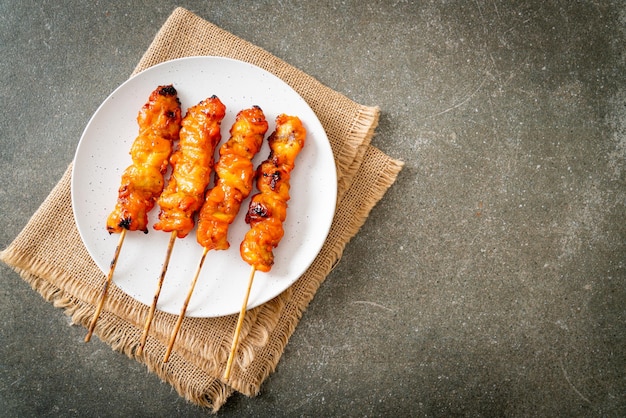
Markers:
{"x": 332, "y": 197}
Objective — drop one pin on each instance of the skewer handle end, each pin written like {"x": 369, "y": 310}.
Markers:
{"x": 242, "y": 314}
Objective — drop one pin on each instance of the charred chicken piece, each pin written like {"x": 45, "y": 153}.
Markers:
{"x": 192, "y": 164}
{"x": 234, "y": 179}
{"x": 268, "y": 208}
{"x": 142, "y": 182}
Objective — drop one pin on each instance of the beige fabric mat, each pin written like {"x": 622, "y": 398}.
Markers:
{"x": 60, "y": 269}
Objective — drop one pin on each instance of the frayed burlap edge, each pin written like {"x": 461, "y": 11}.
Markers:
{"x": 198, "y": 388}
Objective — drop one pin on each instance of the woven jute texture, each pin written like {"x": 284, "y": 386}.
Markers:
{"x": 61, "y": 270}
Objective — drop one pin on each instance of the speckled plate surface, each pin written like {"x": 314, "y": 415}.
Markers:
{"x": 103, "y": 154}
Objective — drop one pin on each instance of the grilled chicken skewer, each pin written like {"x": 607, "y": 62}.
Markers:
{"x": 142, "y": 182}
{"x": 234, "y": 174}
{"x": 268, "y": 208}
{"x": 192, "y": 164}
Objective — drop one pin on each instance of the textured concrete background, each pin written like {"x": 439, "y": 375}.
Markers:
{"x": 488, "y": 282}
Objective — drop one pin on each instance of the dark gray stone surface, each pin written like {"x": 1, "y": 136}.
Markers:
{"x": 489, "y": 281}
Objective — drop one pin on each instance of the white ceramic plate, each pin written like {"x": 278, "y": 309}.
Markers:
{"x": 103, "y": 154}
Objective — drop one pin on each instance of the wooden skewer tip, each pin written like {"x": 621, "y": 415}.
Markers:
{"x": 183, "y": 310}
{"x": 242, "y": 314}
{"x": 157, "y": 293}
{"x": 105, "y": 287}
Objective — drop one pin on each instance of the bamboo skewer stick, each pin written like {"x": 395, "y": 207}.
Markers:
{"x": 181, "y": 316}
{"x": 106, "y": 286}
{"x": 155, "y": 299}
{"x": 242, "y": 314}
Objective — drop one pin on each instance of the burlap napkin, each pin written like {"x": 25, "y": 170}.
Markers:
{"x": 59, "y": 267}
